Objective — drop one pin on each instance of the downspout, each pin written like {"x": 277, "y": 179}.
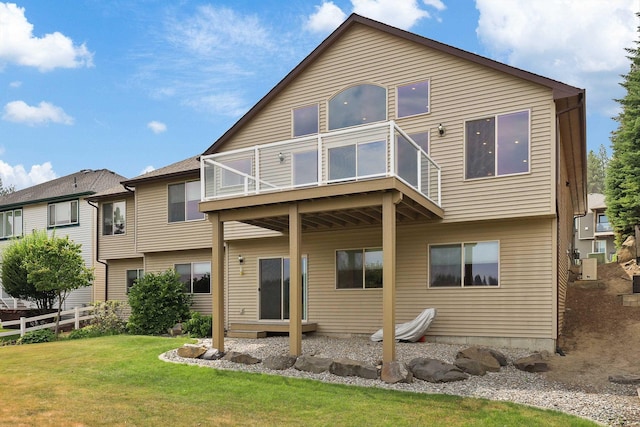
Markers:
{"x": 106, "y": 266}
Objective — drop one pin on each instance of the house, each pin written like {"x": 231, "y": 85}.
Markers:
{"x": 593, "y": 232}
{"x": 59, "y": 206}
{"x": 385, "y": 174}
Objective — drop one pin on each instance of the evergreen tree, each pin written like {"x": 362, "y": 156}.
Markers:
{"x": 6, "y": 190}
{"x": 623, "y": 174}
{"x": 596, "y": 170}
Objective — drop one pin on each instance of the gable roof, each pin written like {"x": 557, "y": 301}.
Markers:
{"x": 82, "y": 183}
{"x": 560, "y": 90}
{"x": 183, "y": 168}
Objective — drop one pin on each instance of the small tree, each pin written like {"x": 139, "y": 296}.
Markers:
{"x": 158, "y": 302}
{"x": 55, "y": 264}
{"x": 15, "y": 279}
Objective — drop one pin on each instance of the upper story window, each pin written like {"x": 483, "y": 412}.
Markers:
{"x": 113, "y": 218}
{"x": 305, "y": 120}
{"x": 497, "y": 145}
{"x": 464, "y": 264}
{"x": 413, "y": 99}
{"x": 602, "y": 223}
{"x": 359, "y": 269}
{"x": 11, "y": 223}
{"x": 358, "y": 105}
{"x": 63, "y": 213}
{"x": 183, "y": 202}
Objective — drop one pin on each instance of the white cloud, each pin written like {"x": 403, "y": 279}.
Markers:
{"x": 437, "y": 4}
{"x": 228, "y": 104}
{"x": 157, "y": 127}
{"x": 399, "y": 13}
{"x": 19, "y": 46}
{"x": 147, "y": 170}
{"x": 20, "y": 178}
{"x": 15, "y": 84}
{"x": 578, "y": 42}
{"x": 20, "y": 112}
{"x": 327, "y": 18}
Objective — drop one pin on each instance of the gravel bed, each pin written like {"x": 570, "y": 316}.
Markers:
{"x": 618, "y": 406}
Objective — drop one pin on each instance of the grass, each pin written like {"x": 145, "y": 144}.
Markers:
{"x": 10, "y": 337}
{"x": 119, "y": 380}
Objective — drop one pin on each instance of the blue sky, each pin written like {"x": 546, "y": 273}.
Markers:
{"x": 136, "y": 85}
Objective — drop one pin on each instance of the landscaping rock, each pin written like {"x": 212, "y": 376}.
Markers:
{"x": 212, "y": 354}
{"x": 535, "y": 362}
{"x": 625, "y": 379}
{"x": 353, "y": 368}
{"x": 395, "y": 372}
{"x": 627, "y": 251}
{"x": 279, "y": 363}
{"x": 246, "y": 359}
{"x": 313, "y": 364}
{"x": 191, "y": 351}
{"x": 435, "y": 371}
{"x": 483, "y": 356}
{"x": 470, "y": 366}
{"x": 176, "y": 330}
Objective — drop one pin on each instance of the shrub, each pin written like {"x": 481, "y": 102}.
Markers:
{"x": 34, "y": 337}
{"x": 86, "y": 332}
{"x": 199, "y": 326}
{"x": 157, "y": 303}
{"x": 108, "y": 318}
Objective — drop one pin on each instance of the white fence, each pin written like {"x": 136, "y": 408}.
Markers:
{"x": 74, "y": 316}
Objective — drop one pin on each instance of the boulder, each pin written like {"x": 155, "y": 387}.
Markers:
{"x": 212, "y": 354}
{"x": 470, "y": 366}
{"x": 627, "y": 250}
{"x": 435, "y": 371}
{"x": 279, "y": 363}
{"x": 625, "y": 379}
{"x": 236, "y": 357}
{"x": 191, "y": 351}
{"x": 176, "y": 330}
{"x": 535, "y": 362}
{"x": 483, "y": 356}
{"x": 313, "y": 364}
{"x": 395, "y": 372}
{"x": 345, "y": 367}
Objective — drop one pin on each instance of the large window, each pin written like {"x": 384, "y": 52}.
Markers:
{"x": 358, "y": 105}
{"x": 413, "y": 99}
{"x": 63, "y": 213}
{"x": 497, "y": 145}
{"x": 196, "y": 277}
{"x": 11, "y": 223}
{"x": 183, "y": 202}
{"x": 359, "y": 269}
{"x": 464, "y": 264}
{"x": 305, "y": 120}
{"x": 113, "y": 218}
{"x": 133, "y": 276}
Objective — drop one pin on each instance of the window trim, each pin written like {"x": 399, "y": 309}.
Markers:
{"x": 3, "y": 236}
{"x": 293, "y": 122}
{"x": 204, "y": 216}
{"x": 495, "y": 167}
{"x": 69, "y": 224}
{"x": 139, "y": 274}
{"x": 397, "y": 106}
{"x": 113, "y": 225}
{"x": 191, "y": 264}
{"x": 363, "y": 250}
{"x": 462, "y": 285}
{"x": 386, "y": 106}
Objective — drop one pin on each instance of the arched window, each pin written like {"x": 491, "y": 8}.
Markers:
{"x": 358, "y": 105}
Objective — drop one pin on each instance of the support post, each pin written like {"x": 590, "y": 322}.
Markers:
{"x": 295, "y": 282}
{"x": 388, "y": 277}
{"x": 217, "y": 280}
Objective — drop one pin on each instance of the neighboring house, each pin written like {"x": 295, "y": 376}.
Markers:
{"x": 594, "y": 234}
{"x": 385, "y": 174}
{"x": 59, "y": 206}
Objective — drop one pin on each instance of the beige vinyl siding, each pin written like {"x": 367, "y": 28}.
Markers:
{"x": 160, "y": 262}
{"x": 460, "y": 91}
{"x": 119, "y": 245}
{"x": 118, "y": 276}
{"x": 522, "y": 306}
{"x": 100, "y": 272}
{"x": 157, "y": 234}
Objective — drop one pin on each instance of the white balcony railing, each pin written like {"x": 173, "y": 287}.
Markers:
{"x": 366, "y": 152}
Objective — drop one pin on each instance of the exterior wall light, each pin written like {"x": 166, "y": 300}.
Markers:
{"x": 281, "y": 157}
{"x": 441, "y": 129}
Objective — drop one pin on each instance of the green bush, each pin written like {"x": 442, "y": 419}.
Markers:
{"x": 34, "y": 337}
{"x": 157, "y": 303}
{"x": 85, "y": 332}
{"x": 108, "y": 318}
{"x": 199, "y": 326}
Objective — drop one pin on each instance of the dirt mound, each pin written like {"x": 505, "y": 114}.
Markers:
{"x": 601, "y": 337}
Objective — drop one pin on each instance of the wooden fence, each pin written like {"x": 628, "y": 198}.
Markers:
{"x": 67, "y": 317}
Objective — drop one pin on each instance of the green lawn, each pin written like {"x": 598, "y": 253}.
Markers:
{"x": 119, "y": 380}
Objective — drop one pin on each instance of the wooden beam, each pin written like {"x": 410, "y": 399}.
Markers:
{"x": 217, "y": 280}
{"x": 388, "y": 277}
{"x": 353, "y": 201}
{"x": 295, "y": 281}
{"x": 253, "y": 212}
